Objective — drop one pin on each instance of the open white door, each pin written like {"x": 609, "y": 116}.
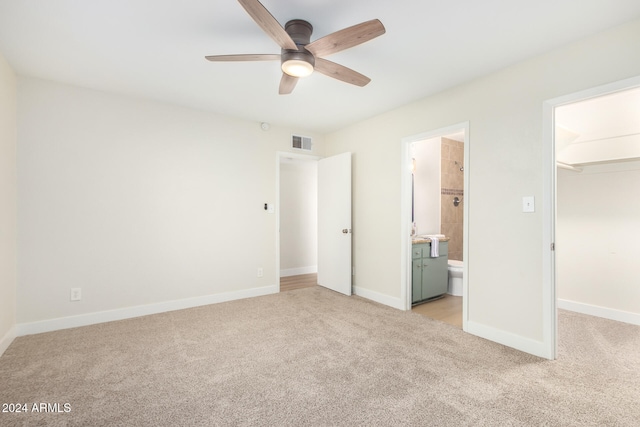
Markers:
{"x": 334, "y": 223}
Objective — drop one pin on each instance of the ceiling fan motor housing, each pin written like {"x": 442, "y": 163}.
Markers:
{"x": 300, "y": 32}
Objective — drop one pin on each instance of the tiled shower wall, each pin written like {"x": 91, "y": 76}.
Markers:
{"x": 452, "y": 180}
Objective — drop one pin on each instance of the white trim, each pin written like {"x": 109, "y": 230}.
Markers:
{"x": 465, "y": 227}
{"x": 595, "y": 92}
{"x": 405, "y": 221}
{"x": 405, "y": 214}
{"x": 7, "y": 339}
{"x": 137, "y": 311}
{"x": 549, "y": 174}
{"x": 604, "y": 312}
{"x": 379, "y": 298}
{"x": 300, "y": 270}
{"x": 527, "y": 345}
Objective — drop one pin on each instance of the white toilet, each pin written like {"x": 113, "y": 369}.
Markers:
{"x": 455, "y": 278}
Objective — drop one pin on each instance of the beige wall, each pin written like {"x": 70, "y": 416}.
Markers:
{"x": 298, "y": 217}
{"x": 505, "y": 278}
{"x": 7, "y": 204}
{"x": 598, "y": 240}
{"x": 139, "y": 204}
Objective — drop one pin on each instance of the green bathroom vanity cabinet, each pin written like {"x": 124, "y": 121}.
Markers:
{"x": 430, "y": 276}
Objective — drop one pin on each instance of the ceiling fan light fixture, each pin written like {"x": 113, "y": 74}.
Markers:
{"x": 299, "y": 55}
{"x": 297, "y": 68}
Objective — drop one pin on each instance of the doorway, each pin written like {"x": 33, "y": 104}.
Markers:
{"x": 599, "y": 159}
{"x": 297, "y": 201}
{"x": 437, "y": 210}
{"x": 316, "y": 219}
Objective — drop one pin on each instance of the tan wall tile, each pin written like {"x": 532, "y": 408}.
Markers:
{"x": 452, "y": 178}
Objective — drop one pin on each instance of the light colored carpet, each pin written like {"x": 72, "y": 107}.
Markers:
{"x": 315, "y": 357}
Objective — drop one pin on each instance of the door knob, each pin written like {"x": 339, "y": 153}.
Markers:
{"x": 345, "y": 230}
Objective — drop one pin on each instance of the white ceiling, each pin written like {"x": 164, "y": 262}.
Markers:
{"x": 156, "y": 49}
{"x": 600, "y": 129}
{"x": 603, "y": 117}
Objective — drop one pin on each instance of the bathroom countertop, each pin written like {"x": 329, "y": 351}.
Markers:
{"x": 417, "y": 240}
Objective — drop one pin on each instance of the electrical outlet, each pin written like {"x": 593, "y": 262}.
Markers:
{"x": 76, "y": 294}
{"x": 260, "y": 272}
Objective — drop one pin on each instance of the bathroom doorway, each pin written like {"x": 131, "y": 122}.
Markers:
{"x": 437, "y": 175}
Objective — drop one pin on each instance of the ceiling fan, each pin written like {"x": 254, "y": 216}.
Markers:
{"x": 299, "y": 56}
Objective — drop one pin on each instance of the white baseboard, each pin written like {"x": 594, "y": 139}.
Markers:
{"x": 378, "y": 297}
{"x": 527, "y": 345}
{"x": 7, "y": 339}
{"x": 604, "y": 312}
{"x": 297, "y": 271}
{"x": 137, "y": 311}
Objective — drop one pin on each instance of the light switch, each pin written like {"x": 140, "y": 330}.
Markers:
{"x": 528, "y": 204}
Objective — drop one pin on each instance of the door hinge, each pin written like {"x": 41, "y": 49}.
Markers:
{"x": 553, "y": 246}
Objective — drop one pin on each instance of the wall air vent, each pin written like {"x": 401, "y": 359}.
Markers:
{"x": 301, "y": 142}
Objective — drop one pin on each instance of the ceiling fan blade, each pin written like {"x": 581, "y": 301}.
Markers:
{"x": 268, "y": 23}
{"x": 344, "y": 39}
{"x": 287, "y": 84}
{"x": 249, "y": 57}
{"x": 340, "y": 72}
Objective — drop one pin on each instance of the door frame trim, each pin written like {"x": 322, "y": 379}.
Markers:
{"x": 549, "y": 213}
{"x": 405, "y": 213}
